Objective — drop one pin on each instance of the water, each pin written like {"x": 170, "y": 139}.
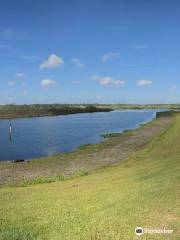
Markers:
{"x": 45, "y": 136}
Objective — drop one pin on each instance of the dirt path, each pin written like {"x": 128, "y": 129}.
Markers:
{"x": 92, "y": 157}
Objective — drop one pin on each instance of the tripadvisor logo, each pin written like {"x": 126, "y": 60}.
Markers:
{"x": 139, "y": 231}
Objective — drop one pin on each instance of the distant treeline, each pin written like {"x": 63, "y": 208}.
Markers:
{"x": 37, "y": 110}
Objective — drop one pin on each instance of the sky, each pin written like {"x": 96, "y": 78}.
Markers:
{"x": 89, "y": 51}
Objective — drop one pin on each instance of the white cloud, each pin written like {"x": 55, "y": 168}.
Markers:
{"x": 142, "y": 83}
{"x": 52, "y": 62}
{"x": 11, "y": 83}
{"x": 109, "y": 56}
{"x": 107, "y": 81}
{"x": 77, "y": 62}
{"x": 47, "y": 82}
{"x": 20, "y": 75}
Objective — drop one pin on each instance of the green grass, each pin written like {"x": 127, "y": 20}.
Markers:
{"x": 110, "y": 135}
{"x": 25, "y": 181}
{"x": 105, "y": 205}
{"x": 118, "y": 134}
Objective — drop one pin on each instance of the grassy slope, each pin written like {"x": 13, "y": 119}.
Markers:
{"x": 106, "y": 205}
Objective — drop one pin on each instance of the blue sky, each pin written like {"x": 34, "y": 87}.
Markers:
{"x": 86, "y": 51}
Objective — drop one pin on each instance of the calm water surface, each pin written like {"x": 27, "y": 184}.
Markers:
{"x": 45, "y": 136}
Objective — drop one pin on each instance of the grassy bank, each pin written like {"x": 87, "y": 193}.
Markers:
{"x": 108, "y": 204}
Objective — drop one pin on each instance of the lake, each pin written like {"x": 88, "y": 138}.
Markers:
{"x": 45, "y": 136}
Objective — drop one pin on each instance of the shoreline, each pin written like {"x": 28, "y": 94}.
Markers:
{"x": 86, "y": 158}
{"x": 67, "y": 114}
{"x": 104, "y": 136}
{"x": 48, "y": 110}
